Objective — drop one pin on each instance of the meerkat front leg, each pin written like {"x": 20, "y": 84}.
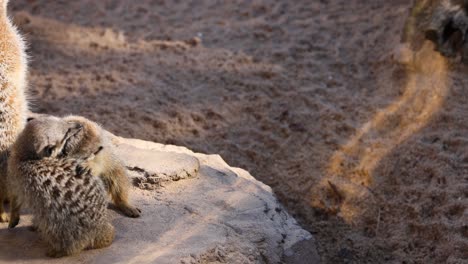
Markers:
{"x": 15, "y": 206}
{"x": 3, "y": 191}
{"x": 3, "y": 215}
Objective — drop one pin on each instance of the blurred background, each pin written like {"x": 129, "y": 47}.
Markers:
{"x": 369, "y": 154}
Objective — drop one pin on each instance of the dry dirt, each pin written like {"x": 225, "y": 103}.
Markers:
{"x": 369, "y": 155}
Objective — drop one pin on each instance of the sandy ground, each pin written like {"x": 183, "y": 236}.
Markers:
{"x": 369, "y": 155}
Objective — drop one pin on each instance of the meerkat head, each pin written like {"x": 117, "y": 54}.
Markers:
{"x": 46, "y": 136}
{"x": 84, "y": 143}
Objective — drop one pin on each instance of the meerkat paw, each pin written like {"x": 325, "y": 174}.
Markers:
{"x": 13, "y": 222}
{"x": 130, "y": 211}
{"x": 4, "y": 218}
{"x": 52, "y": 253}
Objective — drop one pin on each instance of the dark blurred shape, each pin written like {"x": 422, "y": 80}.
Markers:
{"x": 448, "y": 29}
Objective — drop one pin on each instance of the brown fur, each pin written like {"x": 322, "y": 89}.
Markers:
{"x": 106, "y": 165}
{"x": 32, "y": 145}
{"x": 13, "y": 105}
{"x": 68, "y": 202}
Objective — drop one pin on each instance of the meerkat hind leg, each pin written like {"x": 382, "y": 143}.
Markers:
{"x": 105, "y": 237}
{"x": 53, "y": 253}
{"x": 65, "y": 248}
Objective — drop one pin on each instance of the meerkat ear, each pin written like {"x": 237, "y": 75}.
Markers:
{"x": 30, "y": 119}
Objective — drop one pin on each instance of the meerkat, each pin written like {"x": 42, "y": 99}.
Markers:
{"x": 13, "y": 104}
{"x": 67, "y": 201}
{"x": 107, "y": 165}
{"x": 81, "y": 145}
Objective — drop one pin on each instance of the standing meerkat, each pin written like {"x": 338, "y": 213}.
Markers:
{"x": 67, "y": 201}
{"x": 13, "y": 104}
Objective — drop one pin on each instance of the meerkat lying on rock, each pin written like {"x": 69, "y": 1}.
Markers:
{"x": 67, "y": 201}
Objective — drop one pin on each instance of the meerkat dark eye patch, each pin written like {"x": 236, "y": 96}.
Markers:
{"x": 99, "y": 150}
{"x": 48, "y": 150}
{"x": 30, "y": 119}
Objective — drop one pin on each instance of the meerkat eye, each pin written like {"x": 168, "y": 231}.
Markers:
{"x": 49, "y": 150}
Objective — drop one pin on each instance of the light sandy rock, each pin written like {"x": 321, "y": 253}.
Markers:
{"x": 196, "y": 209}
